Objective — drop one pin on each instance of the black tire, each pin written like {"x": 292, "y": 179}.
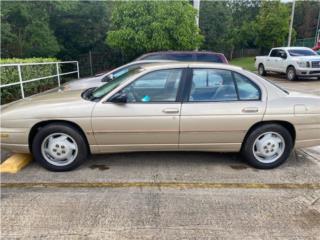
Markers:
{"x": 261, "y": 70}
{"x": 247, "y": 149}
{"x": 44, "y": 132}
{"x": 291, "y": 74}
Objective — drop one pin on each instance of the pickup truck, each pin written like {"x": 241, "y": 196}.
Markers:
{"x": 295, "y": 62}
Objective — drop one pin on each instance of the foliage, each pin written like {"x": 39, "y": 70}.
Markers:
{"x": 81, "y": 26}
{"x": 244, "y": 62}
{"x": 305, "y": 18}
{"x": 272, "y": 24}
{"x": 146, "y": 26}
{"x": 25, "y": 30}
{"x": 9, "y": 74}
{"x": 227, "y": 25}
{"x": 216, "y": 24}
{"x": 69, "y": 29}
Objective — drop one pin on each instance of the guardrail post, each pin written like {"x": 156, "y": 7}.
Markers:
{"x": 20, "y": 80}
{"x": 78, "y": 69}
{"x": 58, "y": 74}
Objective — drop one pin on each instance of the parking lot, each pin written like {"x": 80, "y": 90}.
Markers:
{"x": 168, "y": 195}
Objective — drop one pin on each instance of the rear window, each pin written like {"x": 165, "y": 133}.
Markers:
{"x": 152, "y": 57}
{"x": 209, "y": 58}
{"x": 184, "y": 57}
{"x": 179, "y": 56}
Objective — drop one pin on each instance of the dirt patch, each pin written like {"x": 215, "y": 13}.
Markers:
{"x": 101, "y": 167}
{"x": 238, "y": 166}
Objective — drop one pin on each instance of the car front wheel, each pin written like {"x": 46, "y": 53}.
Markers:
{"x": 291, "y": 74}
{"x": 267, "y": 146}
{"x": 59, "y": 147}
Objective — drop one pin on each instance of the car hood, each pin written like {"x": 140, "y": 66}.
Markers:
{"x": 83, "y": 83}
{"x": 307, "y": 58}
{"x": 59, "y": 104}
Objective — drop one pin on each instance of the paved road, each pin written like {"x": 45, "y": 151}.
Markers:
{"x": 167, "y": 196}
{"x": 311, "y": 86}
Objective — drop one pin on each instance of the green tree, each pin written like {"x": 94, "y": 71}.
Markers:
{"x": 227, "y": 25}
{"x": 305, "y": 18}
{"x": 139, "y": 27}
{"x": 80, "y": 26}
{"x": 25, "y": 30}
{"x": 216, "y": 25}
{"x": 272, "y": 24}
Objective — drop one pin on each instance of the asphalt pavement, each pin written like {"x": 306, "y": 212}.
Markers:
{"x": 167, "y": 195}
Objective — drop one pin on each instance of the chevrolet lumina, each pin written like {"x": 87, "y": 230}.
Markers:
{"x": 165, "y": 107}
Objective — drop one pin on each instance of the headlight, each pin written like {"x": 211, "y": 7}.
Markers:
{"x": 303, "y": 64}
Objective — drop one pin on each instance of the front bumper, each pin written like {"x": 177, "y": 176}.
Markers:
{"x": 308, "y": 72}
{"x": 14, "y": 140}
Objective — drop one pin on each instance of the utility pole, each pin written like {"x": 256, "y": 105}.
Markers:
{"x": 196, "y": 5}
{"x": 291, "y": 23}
{"x": 316, "y": 37}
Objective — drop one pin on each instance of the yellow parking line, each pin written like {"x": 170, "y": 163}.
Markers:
{"x": 15, "y": 163}
{"x": 174, "y": 185}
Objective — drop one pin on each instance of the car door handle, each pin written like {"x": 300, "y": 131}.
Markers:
{"x": 250, "y": 110}
{"x": 170, "y": 110}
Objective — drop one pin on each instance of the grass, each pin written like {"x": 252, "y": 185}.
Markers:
{"x": 244, "y": 62}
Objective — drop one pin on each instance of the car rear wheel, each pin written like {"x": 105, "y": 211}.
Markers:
{"x": 261, "y": 70}
{"x": 291, "y": 74}
{"x": 267, "y": 146}
{"x": 59, "y": 147}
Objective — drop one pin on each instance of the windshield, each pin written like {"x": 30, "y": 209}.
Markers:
{"x": 301, "y": 52}
{"x": 99, "y": 92}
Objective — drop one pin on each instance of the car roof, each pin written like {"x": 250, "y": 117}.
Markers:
{"x": 293, "y": 48}
{"x": 161, "y": 65}
{"x": 179, "y": 52}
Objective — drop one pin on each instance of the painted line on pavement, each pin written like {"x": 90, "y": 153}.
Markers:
{"x": 174, "y": 185}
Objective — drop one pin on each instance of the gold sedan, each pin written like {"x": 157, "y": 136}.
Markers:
{"x": 165, "y": 107}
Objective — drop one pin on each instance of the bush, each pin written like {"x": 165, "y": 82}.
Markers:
{"x": 9, "y": 74}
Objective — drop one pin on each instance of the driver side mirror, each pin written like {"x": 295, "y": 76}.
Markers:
{"x": 108, "y": 78}
{"x": 119, "y": 98}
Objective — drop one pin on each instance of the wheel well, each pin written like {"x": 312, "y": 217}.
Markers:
{"x": 284, "y": 124}
{"x": 288, "y": 67}
{"x": 42, "y": 124}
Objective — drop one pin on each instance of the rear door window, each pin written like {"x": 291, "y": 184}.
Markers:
{"x": 274, "y": 53}
{"x": 247, "y": 90}
{"x": 209, "y": 58}
{"x": 179, "y": 56}
{"x": 210, "y": 85}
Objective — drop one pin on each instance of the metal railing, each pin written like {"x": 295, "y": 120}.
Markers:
{"x": 21, "y": 81}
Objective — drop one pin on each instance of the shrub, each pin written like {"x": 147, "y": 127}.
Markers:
{"x": 9, "y": 74}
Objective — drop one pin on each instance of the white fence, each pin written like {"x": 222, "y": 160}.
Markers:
{"x": 58, "y": 74}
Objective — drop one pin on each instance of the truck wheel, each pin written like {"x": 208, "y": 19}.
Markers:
{"x": 59, "y": 147}
{"x": 291, "y": 74}
{"x": 261, "y": 70}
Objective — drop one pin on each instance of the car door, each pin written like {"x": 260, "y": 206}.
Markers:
{"x": 219, "y": 107}
{"x": 281, "y": 63}
{"x": 149, "y": 120}
{"x": 271, "y": 61}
